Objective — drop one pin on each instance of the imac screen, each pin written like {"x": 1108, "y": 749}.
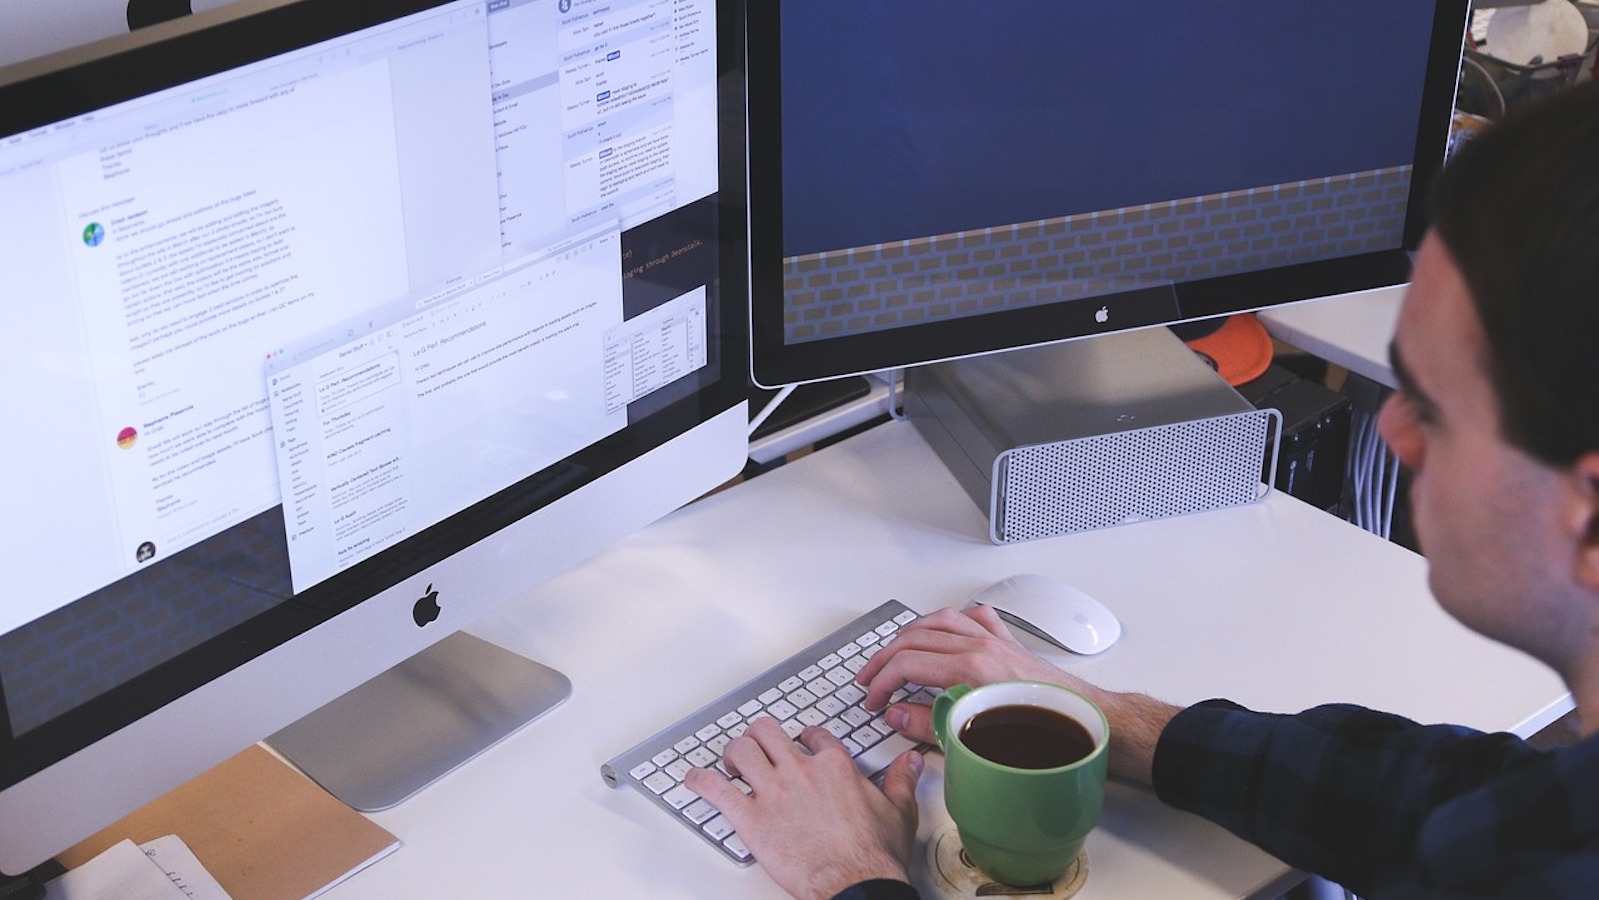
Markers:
{"x": 308, "y": 297}
{"x": 937, "y": 178}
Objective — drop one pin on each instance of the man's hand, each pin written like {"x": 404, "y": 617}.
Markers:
{"x": 813, "y": 821}
{"x": 950, "y": 647}
{"x": 973, "y": 646}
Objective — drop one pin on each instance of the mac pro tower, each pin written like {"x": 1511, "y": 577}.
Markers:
{"x": 1094, "y": 433}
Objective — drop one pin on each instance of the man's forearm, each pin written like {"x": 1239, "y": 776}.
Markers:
{"x": 1136, "y": 721}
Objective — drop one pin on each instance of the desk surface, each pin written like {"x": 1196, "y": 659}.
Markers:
{"x": 1352, "y": 330}
{"x": 1276, "y": 604}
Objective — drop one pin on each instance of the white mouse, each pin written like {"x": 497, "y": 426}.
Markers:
{"x": 1053, "y": 611}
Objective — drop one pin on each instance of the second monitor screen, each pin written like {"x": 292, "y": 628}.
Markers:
{"x": 945, "y": 159}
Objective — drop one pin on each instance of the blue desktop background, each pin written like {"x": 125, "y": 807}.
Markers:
{"x": 907, "y": 118}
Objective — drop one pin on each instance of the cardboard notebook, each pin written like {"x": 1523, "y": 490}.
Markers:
{"x": 263, "y": 830}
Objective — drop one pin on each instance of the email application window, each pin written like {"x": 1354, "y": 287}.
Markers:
{"x": 396, "y": 430}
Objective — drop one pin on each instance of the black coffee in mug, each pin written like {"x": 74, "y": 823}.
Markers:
{"x": 1026, "y": 737}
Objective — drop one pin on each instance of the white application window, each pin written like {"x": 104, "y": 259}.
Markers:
{"x": 386, "y": 434}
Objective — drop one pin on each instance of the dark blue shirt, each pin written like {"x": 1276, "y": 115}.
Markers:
{"x": 880, "y": 889}
{"x": 1382, "y": 805}
{"x": 1390, "y": 808}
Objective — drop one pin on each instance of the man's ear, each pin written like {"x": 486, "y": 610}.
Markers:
{"x": 1584, "y": 519}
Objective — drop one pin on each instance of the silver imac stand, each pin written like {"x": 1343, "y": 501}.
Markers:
{"x": 410, "y": 726}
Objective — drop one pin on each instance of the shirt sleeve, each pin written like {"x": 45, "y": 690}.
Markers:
{"x": 879, "y": 889}
{"x": 1337, "y": 790}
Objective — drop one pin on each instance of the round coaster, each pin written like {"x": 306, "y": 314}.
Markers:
{"x": 955, "y": 878}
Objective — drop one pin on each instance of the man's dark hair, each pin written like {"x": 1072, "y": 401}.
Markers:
{"x": 1518, "y": 210}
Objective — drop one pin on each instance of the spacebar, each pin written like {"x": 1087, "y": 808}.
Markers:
{"x": 876, "y": 758}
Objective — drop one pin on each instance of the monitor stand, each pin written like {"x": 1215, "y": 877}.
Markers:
{"x": 410, "y": 726}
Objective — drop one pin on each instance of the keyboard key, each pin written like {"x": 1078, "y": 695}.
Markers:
{"x": 876, "y": 758}
{"x": 643, "y": 770}
{"x": 718, "y": 827}
{"x": 660, "y": 782}
{"x": 679, "y": 797}
{"x": 699, "y": 812}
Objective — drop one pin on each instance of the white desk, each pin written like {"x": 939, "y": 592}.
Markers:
{"x": 1276, "y": 604}
{"x": 1352, "y": 330}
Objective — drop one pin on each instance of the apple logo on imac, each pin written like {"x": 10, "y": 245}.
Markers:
{"x": 427, "y": 608}
{"x": 1102, "y": 315}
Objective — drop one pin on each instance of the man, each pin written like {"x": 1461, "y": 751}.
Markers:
{"x": 1497, "y": 418}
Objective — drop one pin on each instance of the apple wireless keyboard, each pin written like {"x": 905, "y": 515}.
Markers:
{"x": 815, "y": 686}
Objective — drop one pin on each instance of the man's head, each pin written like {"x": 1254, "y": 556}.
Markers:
{"x": 1518, "y": 210}
{"x": 1497, "y": 351}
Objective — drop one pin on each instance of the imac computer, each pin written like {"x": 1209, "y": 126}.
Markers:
{"x": 334, "y": 324}
{"x": 934, "y": 179}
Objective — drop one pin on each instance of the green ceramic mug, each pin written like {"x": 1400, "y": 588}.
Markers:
{"x": 1023, "y": 788}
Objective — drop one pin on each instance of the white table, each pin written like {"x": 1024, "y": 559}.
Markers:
{"x": 1277, "y": 605}
{"x": 1350, "y": 330}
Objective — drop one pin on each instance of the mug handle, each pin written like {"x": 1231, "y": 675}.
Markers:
{"x": 941, "y": 707}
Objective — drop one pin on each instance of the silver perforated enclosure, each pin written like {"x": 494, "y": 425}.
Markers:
{"x": 1149, "y": 473}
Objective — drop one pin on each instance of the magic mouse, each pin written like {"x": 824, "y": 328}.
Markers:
{"x": 1053, "y": 611}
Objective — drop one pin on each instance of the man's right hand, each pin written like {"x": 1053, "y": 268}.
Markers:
{"x": 973, "y": 646}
